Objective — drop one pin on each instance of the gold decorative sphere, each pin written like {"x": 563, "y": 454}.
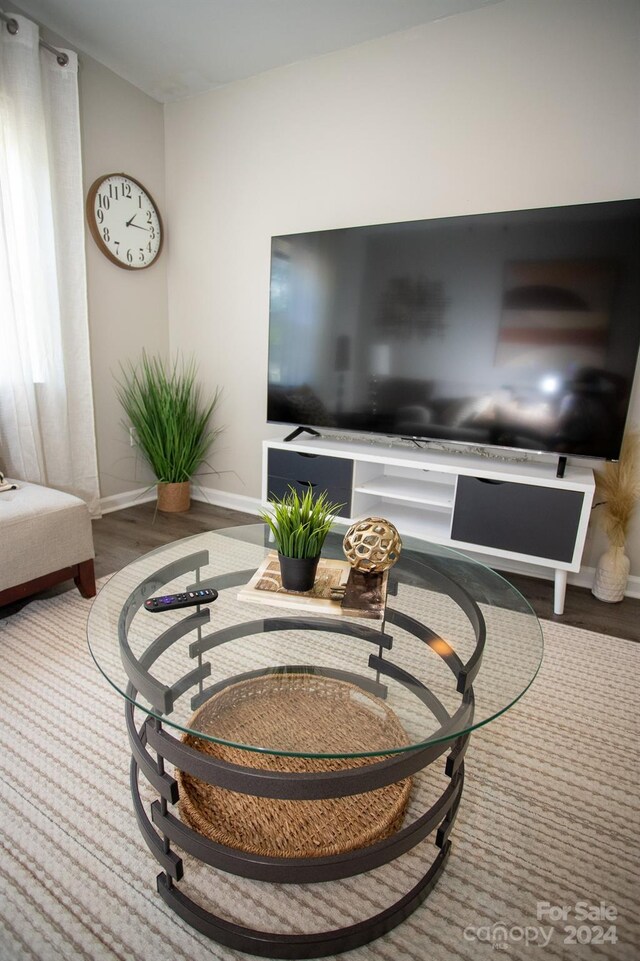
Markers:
{"x": 372, "y": 545}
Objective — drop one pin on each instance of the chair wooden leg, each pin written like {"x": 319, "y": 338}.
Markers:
{"x": 85, "y": 579}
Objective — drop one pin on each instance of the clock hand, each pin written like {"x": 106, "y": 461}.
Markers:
{"x": 138, "y": 226}
{"x": 130, "y": 222}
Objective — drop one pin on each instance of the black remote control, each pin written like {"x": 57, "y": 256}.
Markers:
{"x": 171, "y": 601}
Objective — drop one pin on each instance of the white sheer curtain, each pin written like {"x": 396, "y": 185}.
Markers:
{"x": 47, "y": 430}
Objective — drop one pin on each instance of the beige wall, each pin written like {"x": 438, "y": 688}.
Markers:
{"x": 122, "y": 130}
{"x": 517, "y": 105}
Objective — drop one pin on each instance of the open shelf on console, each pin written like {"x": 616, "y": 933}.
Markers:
{"x": 417, "y": 500}
{"x": 415, "y": 490}
{"x": 428, "y": 523}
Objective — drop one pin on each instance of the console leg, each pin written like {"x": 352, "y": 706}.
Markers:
{"x": 559, "y": 592}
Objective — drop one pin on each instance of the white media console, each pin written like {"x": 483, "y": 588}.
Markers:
{"x": 517, "y": 511}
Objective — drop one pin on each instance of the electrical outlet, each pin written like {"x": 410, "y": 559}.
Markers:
{"x": 133, "y": 437}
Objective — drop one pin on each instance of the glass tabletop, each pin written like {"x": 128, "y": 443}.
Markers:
{"x": 260, "y": 672}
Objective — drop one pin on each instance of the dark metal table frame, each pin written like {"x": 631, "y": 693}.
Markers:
{"x": 163, "y": 828}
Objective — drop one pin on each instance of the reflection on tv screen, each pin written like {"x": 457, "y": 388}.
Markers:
{"x": 516, "y": 329}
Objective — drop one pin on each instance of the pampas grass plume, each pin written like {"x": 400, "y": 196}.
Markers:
{"x": 618, "y": 490}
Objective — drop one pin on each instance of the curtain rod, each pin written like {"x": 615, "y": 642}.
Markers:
{"x": 13, "y": 26}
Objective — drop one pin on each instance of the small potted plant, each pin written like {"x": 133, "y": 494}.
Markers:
{"x": 300, "y": 524}
{"x": 618, "y": 487}
{"x": 164, "y": 405}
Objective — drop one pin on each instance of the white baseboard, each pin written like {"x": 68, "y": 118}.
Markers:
{"x": 633, "y": 586}
{"x": 253, "y": 505}
{"x": 118, "y": 502}
{"x": 235, "y": 502}
{"x": 207, "y": 495}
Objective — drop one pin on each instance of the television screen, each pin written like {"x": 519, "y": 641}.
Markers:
{"x": 516, "y": 329}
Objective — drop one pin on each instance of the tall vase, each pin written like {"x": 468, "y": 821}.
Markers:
{"x": 612, "y": 574}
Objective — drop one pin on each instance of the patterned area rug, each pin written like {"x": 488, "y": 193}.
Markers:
{"x": 545, "y": 856}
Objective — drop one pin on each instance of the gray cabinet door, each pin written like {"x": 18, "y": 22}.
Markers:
{"x": 522, "y": 518}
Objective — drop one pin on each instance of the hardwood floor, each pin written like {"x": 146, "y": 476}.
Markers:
{"x": 122, "y": 536}
{"x": 581, "y": 608}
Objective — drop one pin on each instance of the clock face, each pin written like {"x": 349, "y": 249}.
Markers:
{"x": 124, "y": 221}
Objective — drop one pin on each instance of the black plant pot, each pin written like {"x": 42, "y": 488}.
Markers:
{"x": 298, "y": 573}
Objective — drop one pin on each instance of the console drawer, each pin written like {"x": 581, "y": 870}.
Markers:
{"x": 315, "y": 469}
{"x": 291, "y": 468}
{"x": 522, "y": 518}
{"x": 279, "y": 486}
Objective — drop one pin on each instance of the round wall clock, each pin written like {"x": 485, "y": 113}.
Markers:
{"x": 124, "y": 221}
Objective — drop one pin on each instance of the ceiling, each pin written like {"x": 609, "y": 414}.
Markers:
{"x": 173, "y": 50}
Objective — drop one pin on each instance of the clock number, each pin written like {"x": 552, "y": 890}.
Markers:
{"x": 152, "y": 232}
{"x": 99, "y": 216}
{"x": 148, "y": 216}
{"x": 103, "y": 202}
{"x": 140, "y": 201}
{"x": 126, "y": 191}
{"x": 149, "y": 246}
{"x": 141, "y": 258}
{"x": 105, "y": 234}
{"x": 113, "y": 191}
{"x": 116, "y": 244}
{"x": 129, "y": 256}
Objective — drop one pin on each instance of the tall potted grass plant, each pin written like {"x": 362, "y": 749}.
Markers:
{"x": 164, "y": 404}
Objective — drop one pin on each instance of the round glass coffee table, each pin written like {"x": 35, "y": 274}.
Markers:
{"x": 284, "y": 740}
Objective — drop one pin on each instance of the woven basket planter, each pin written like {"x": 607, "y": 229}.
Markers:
{"x": 303, "y": 712}
{"x": 174, "y": 498}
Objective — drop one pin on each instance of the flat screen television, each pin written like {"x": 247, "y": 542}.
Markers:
{"x": 513, "y": 330}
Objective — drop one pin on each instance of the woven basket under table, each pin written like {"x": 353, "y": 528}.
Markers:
{"x": 305, "y": 713}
